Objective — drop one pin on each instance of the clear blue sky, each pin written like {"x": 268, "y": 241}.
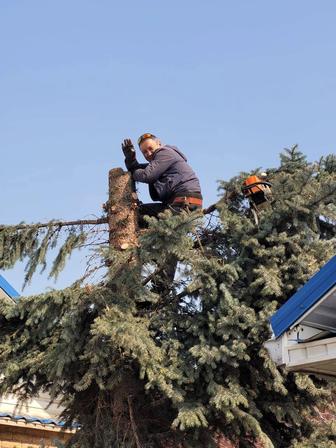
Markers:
{"x": 229, "y": 82}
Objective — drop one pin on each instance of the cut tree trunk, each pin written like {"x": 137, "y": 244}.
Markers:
{"x": 122, "y": 210}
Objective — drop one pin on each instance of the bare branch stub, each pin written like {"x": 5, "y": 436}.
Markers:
{"x": 122, "y": 210}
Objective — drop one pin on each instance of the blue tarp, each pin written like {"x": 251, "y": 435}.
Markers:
{"x": 306, "y": 297}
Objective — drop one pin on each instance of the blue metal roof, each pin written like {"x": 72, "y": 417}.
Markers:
{"x": 310, "y": 293}
{"x": 43, "y": 421}
{"x": 29, "y": 419}
{"x": 7, "y": 288}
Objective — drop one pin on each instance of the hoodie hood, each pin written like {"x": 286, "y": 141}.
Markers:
{"x": 180, "y": 153}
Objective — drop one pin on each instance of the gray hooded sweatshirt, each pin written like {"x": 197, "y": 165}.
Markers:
{"x": 168, "y": 175}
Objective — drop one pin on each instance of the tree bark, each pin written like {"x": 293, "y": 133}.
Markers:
{"x": 122, "y": 210}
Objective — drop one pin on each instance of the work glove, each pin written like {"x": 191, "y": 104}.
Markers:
{"x": 129, "y": 153}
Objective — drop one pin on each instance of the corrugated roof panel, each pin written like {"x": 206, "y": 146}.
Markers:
{"x": 310, "y": 293}
{"x": 31, "y": 419}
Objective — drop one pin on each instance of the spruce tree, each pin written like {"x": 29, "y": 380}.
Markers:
{"x": 141, "y": 364}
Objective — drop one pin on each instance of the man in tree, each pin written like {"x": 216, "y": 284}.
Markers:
{"x": 195, "y": 371}
{"x": 170, "y": 178}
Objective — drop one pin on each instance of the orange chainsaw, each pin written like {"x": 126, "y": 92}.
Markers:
{"x": 258, "y": 192}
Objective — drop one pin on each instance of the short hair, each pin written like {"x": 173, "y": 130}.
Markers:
{"x": 144, "y": 137}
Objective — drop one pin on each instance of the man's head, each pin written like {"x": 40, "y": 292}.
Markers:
{"x": 148, "y": 144}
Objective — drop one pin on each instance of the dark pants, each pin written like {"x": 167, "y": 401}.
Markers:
{"x": 155, "y": 208}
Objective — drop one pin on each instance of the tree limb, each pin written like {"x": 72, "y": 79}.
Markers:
{"x": 210, "y": 209}
{"x": 80, "y": 222}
